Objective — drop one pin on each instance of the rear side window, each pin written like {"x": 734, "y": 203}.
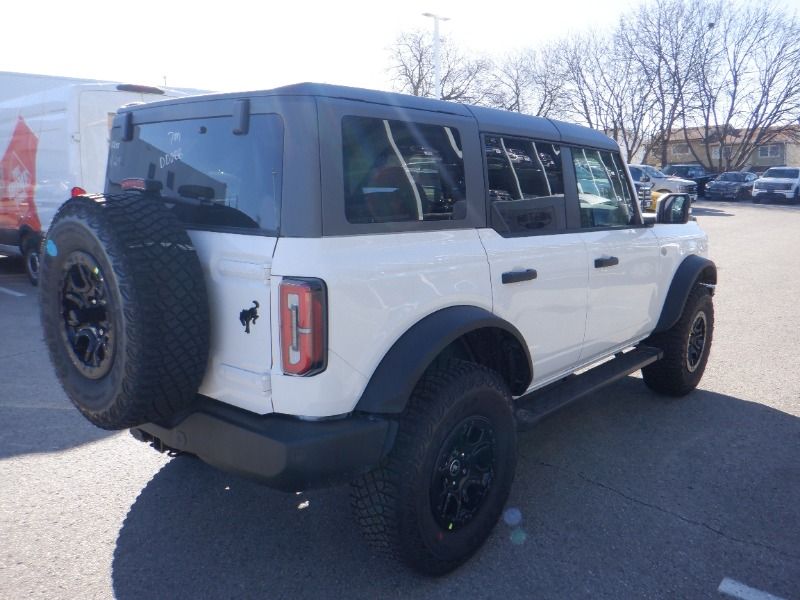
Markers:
{"x": 603, "y": 190}
{"x": 401, "y": 171}
{"x": 214, "y": 178}
{"x": 526, "y": 186}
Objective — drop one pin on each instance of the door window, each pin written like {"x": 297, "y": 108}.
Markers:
{"x": 402, "y": 171}
{"x": 603, "y": 191}
{"x": 525, "y": 186}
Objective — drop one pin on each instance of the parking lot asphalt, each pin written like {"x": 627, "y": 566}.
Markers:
{"x": 622, "y": 495}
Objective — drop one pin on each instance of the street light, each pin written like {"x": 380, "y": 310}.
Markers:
{"x": 437, "y": 60}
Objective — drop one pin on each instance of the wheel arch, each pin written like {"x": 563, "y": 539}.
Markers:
{"x": 694, "y": 269}
{"x": 466, "y": 332}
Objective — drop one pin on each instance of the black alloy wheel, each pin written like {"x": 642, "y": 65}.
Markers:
{"x": 464, "y": 473}
{"x": 697, "y": 342}
{"x": 87, "y": 329}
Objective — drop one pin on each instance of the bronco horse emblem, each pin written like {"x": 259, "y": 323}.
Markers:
{"x": 249, "y": 315}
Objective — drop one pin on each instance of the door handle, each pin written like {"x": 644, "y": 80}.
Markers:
{"x": 610, "y": 261}
{"x": 517, "y": 276}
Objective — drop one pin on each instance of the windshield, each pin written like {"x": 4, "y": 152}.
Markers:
{"x": 677, "y": 171}
{"x": 781, "y": 174}
{"x": 731, "y": 177}
{"x": 653, "y": 172}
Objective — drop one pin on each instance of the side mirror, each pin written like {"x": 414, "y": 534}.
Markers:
{"x": 673, "y": 209}
{"x": 644, "y": 179}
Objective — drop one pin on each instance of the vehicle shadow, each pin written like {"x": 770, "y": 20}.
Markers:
{"x": 614, "y": 496}
{"x": 35, "y": 413}
{"x": 11, "y": 264}
{"x": 707, "y": 211}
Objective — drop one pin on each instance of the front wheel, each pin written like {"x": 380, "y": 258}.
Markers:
{"x": 442, "y": 489}
{"x": 686, "y": 346}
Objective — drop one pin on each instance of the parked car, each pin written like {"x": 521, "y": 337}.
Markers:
{"x": 695, "y": 172}
{"x": 663, "y": 183}
{"x": 317, "y": 284}
{"x": 731, "y": 185}
{"x": 778, "y": 183}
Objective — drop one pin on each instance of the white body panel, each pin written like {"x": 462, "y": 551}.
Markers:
{"x": 550, "y": 311}
{"x": 622, "y": 297}
{"x": 378, "y": 287}
{"x": 237, "y": 272}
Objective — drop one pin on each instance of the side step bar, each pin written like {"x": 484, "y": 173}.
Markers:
{"x": 539, "y": 404}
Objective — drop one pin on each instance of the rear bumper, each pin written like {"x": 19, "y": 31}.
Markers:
{"x": 282, "y": 452}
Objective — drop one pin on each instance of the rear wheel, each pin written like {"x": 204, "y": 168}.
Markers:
{"x": 30, "y": 254}
{"x": 686, "y": 347}
{"x": 443, "y": 487}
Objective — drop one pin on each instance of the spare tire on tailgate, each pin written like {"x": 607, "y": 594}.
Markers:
{"x": 124, "y": 309}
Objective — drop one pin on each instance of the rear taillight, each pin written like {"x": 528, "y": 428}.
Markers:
{"x": 304, "y": 327}
{"x": 77, "y": 191}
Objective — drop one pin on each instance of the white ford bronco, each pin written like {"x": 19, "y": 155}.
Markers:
{"x": 318, "y": 284}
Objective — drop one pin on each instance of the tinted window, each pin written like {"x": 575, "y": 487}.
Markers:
{"x": 526, "y": 186}
{"x": 603, "y": 191}
{"x": 401, "y": 171}
{"x": 216, "y": 178}
{"x": 636, "y": 173}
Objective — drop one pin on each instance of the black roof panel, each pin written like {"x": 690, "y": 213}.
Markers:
{"x": 488, "y": 119}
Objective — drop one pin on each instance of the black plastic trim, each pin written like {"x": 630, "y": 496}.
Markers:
{"x": 610, "y": 261}
{"x": 685, "y": 278}
{"x": 283, "y": 452}
{"x": 517, "y": 276}
{"x": 402, "y": 366}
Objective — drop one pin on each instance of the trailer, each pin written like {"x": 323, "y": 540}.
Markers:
{"x": 54, "y": 135}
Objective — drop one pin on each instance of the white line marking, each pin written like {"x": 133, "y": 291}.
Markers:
{"x": 735, "y": 589}
{"x": 12, "y": 292}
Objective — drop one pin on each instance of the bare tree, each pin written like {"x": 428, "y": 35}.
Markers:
{"x": 526, "y": 81}
{"x": 412, "y": 69}
{"x": 606, "y": 90}
{"x": 666, "y": 39}
{"x": 749, "y": 84}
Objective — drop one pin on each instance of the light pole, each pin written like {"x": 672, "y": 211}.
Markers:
{"x": 437, "y": 59}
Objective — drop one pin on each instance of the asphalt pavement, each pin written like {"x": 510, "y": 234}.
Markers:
{"x": 622, "y": 495}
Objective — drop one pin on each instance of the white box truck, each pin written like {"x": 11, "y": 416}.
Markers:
{"x": 54, "y": 144}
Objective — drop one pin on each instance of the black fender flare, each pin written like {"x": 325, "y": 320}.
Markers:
{"x": 394, "y": 379}
{"x": 693, "y": 269}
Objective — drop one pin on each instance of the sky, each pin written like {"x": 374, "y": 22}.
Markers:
{"x": 238, "y": 45}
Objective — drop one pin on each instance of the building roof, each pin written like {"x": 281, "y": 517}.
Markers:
{"x": 791, "y": 133}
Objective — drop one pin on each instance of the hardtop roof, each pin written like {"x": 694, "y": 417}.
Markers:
{"x": 490, "y": 120}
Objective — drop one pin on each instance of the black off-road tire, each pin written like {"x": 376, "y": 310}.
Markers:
{"x": 145, "y": 288}
{"x": 31, "y": 257}
{"x": 682, "y": 367}
{"x": 393, "y": 504}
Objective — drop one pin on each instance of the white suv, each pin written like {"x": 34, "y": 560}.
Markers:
{"x": 317, "y": 284}
{"x": 778, "y": 183}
